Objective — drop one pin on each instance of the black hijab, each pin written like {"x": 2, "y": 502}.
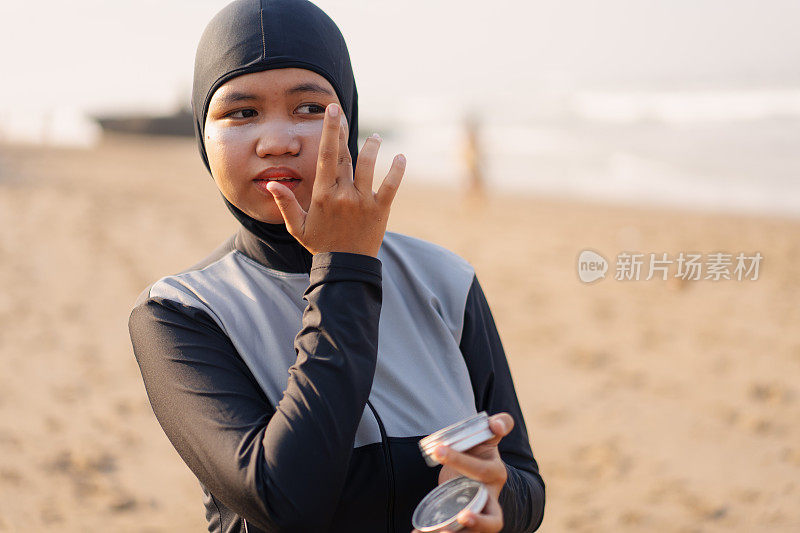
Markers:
{"x": 256, "y": 35}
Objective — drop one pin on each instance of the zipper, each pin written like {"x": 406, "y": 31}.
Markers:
{"x": 387, "y": 458}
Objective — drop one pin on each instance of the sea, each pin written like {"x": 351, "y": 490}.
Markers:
{"x": 721, "y": 149}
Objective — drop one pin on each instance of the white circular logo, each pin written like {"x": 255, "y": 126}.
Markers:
{"x": 591, "y": 266}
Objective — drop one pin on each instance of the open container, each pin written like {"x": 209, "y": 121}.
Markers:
{"x": 439, "y": 509}
{"x": 460, "y": 436}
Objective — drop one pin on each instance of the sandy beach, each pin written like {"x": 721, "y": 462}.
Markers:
{"x": 668, "y": 406}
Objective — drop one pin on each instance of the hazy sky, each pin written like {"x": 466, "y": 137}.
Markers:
{"x": 101, "y": 55}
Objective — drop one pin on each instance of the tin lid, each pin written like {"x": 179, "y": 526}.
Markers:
{"x": 440, "y": 507}
{"x": 455, "y": 432}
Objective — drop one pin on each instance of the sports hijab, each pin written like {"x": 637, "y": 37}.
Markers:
{"x": 255, "y": 35}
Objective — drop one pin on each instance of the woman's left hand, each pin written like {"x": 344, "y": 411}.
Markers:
{"x": 481, "y": 463}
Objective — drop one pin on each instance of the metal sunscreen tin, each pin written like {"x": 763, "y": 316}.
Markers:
{"x": 438, "y": 510}
{"x": 460, "y": 436}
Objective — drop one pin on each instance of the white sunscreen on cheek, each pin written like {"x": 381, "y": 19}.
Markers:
{"x": 288, "y": 130}
{"x": 235, "y": 137}
{"x": 306, "y": 129}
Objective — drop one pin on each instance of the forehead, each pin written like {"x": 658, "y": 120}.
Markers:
{"x": 274, "y": 83}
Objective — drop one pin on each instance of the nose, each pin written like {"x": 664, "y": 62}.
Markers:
{"x": 277, "y": 137}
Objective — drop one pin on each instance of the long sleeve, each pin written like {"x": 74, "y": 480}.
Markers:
{"x": 282, "y": 469}
{"x": 523, "y": 495}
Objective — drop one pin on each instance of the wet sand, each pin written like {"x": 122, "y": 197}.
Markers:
{"x": 651, "y": 405}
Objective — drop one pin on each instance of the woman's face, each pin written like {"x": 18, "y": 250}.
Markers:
{"x": 264, "y": 120}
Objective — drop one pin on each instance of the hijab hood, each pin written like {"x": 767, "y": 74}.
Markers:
{"x": 255, "y": 35}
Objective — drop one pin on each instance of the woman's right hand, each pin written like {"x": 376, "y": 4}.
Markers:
{"x": 344, "y": 215}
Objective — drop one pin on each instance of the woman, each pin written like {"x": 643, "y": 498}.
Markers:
{"x": 296, "y": 367}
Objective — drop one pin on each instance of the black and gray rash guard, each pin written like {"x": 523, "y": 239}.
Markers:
{"x": 298, "y": 398}
{"x": 295, "y": 387}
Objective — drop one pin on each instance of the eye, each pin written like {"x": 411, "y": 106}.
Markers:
{"x": 241, "y": 113}
{"x": 316, "y": 109}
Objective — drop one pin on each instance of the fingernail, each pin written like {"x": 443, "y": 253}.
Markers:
{"x": 440, "y": 453}
{"x": 376, "y": 136}
{"x": 401, "y": 159}
{"x": 333, "y": 109}
{"x": 467, "y": 520}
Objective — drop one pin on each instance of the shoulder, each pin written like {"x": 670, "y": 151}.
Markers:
{"x": 184, "y": 288}
{"x": 416, "y": 266}
{"x": 398, "y": 247}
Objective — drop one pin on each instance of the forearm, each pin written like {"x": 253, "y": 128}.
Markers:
{"x": 522, "y": 497}
{"x": 309, "y": 440}
{"x": 522, "y": 500}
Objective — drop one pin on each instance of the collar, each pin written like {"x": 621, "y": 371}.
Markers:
{"x": 276, "y": 251}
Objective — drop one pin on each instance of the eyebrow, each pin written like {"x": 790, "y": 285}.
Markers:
{"x": 309, "y": 87}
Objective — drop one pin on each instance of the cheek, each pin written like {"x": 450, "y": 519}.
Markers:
{"x": 309, "y": 135}
{"x": 225, "y": 146}
{"x": 308, "y": 130}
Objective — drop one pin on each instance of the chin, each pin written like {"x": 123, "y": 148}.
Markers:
{"x": 270, "y": 219}
{"x": 269, "y": 216}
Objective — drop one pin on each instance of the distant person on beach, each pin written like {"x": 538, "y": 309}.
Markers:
{"x": 473, "y": 156}
{"x": 296, "y": 367}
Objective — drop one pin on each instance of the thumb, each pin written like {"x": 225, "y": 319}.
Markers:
{"x": 501, "y": 425}
{"x": 293, "y": 215}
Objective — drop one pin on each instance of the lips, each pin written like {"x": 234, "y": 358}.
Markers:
{"x": 277, "y": 173}
{"x": 284, "y": 175}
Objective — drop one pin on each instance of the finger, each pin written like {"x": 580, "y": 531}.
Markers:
{"x": 328, "y": 149}
{"x": 344, "y": 167}
{"x": 501, "y": 425}
{"x": 392, "y": 181}
{"x": 293, "y": 215}
{"x": 365, "y": 167}
{"x": 489, "y": 521}
{"x": 489, "y": 471}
